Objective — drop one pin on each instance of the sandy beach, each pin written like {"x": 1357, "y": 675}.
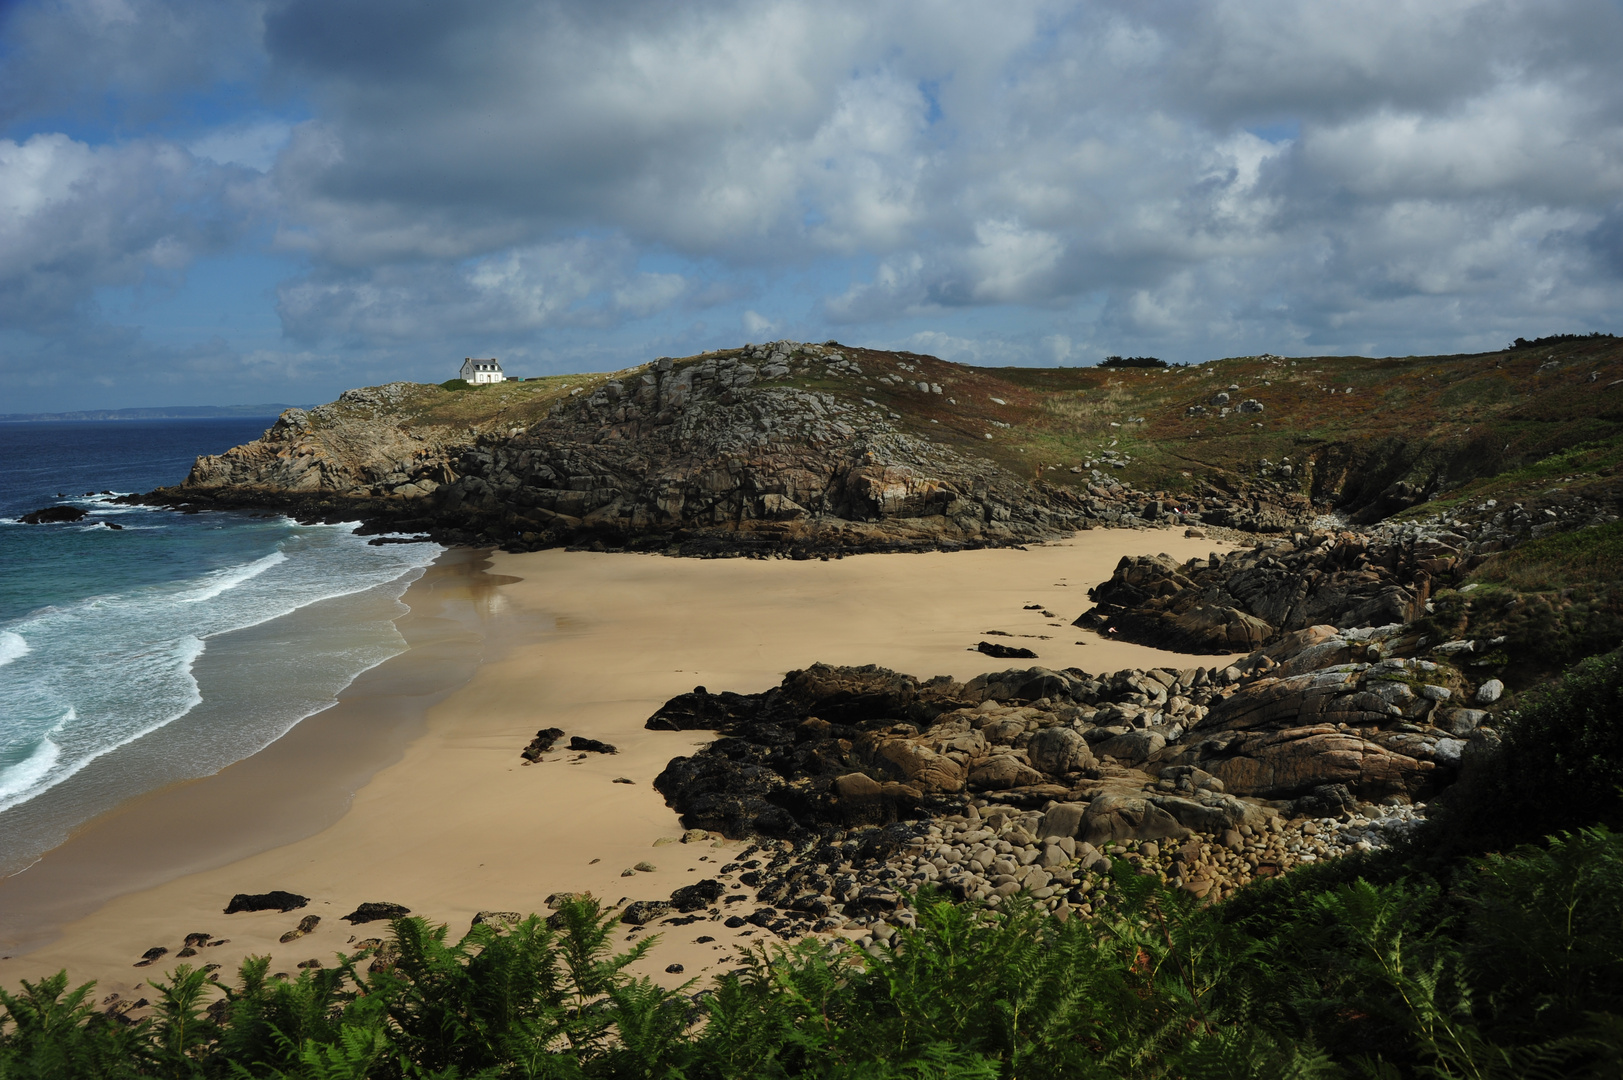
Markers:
{"x": 412, "y": 790}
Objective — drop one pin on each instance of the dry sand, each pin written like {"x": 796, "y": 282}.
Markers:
{"x": 589, "y": 643}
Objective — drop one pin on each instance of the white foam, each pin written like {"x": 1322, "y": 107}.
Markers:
{"x": 186, "y": 651}
{"x": 12, "y": 647}
{"x": 21, "y": 778}
{"x": 223, "y": 580}
{"x": 125, "y": 658}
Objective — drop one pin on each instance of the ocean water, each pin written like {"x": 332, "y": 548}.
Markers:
{"x": 102, "y": 631}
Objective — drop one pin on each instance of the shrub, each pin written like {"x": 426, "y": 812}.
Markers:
{"x": 1558, "y": 767}
{"x": 1515, "y": 969}
{"x": 1555, "y": 339}
{"x": 456, "y": 384}
{"x": 1132, "y": 362}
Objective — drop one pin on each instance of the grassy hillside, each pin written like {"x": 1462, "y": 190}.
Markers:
{"x": 1459, "y": 427}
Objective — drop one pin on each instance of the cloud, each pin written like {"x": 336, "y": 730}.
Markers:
{"x": 1055, "y": 179}
{"x": 75, "y": 218}
{"x": 132, "y": 59}
{"x": 577, "y": 283}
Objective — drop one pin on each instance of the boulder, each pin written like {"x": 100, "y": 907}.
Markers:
{"x": 1462, "y": 721}
{"x": 1326, "y": 801}
{"x": 53, "y": 515}
{"x": 275, "y": 900}
{"x": 541, "y": 743}
{"x": 497, "y": 918}
{"x": 376, "y": 911}
{"x": 920, "y": 766}
{"x": 1005, "y": 652}
{"x": 1127, "y": 817}
{"x": 701, "y": 894}
{"x": 1489, "y": 692}
{"x": 1209, "y": 814}
{"x": 1002, "y": 772}
{"x": 639, "y": 912}
{"x": 1062, "y": 819}
{"x": 1132, "y": 747}
{"x": 1285, "y": 763}
{"x": 1059, "y": 751}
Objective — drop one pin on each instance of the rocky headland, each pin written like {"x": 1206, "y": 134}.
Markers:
{"x": 769, "y": 449}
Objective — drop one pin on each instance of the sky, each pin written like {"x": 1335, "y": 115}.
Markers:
{"x": 273, "y": 200}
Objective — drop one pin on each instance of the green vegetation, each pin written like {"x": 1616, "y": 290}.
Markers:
{"x": 1561, "y": 763}
{"x": 1412, "y": 962}
{"x": 1556, "y": 562}
{"x": 1556, "y": 339}
{"x": 456, "y": 384}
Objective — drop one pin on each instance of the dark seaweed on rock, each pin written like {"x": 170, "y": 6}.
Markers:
{"x": 376, "y": 911}
{"x": 275, "y": 900}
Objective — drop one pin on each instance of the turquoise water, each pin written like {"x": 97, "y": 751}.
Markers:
{"x": 101, "y": 630}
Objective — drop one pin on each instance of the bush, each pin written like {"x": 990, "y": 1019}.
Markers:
{"x": 1132, "y": 362}
{"x": 1555, "y": 339}
{"x": 456, "y": 384}
{"x": 1512, "y": 969}
{"x": 1559, "y": 766}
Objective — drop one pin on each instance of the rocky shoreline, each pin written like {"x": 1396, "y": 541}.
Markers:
{"x": 856, "y": 787}
{"x": 770, "y": 449}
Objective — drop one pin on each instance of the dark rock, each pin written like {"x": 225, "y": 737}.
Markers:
{"x": 306, "y": 925}
{"x": 733, "y": 922}
{"x": 541, "y": 743}
{"x": 375, "y": 911}
{"x": 151, "y": 956}
{"x": 1326, "y": 801}
{"x": 674, "y": 969}
{"x": 700, "y": 894}
{"x": 1005, "y": 652}
{"x": 641, "y": 912}
{"x": 497, "y": 918}
{"x": 53, "y": 514}
{"x": 276, "y": 900}
{"x": 590, "y": 746}
{"x": 1249, "y": 598}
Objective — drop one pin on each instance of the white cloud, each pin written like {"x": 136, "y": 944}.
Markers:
{"x": 520, "y": 290}
{"x": 585, "y": 179}
{"x": 78, "y": 217}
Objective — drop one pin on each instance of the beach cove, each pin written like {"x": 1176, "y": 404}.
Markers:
{"x": 412, "y": 791}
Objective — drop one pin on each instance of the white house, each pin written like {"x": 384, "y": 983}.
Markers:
{"x": 482, "y": 371}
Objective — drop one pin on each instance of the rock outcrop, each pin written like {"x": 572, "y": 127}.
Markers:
{"x": 717, "y": 455}
{"x": 1249, "y": 598}
{"x": 772, "y": 448}
{"x": 1143, "y": 754}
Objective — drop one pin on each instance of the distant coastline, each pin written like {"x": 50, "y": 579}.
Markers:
{"x": 161, "y": 412}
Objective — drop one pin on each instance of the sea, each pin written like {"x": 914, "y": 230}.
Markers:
{"x": 103, "y": 630}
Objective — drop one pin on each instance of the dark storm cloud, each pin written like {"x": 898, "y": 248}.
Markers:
{"x": 123, "y": 61}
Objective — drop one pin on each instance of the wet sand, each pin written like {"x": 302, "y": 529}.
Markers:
{"x": 458, "y": 823}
